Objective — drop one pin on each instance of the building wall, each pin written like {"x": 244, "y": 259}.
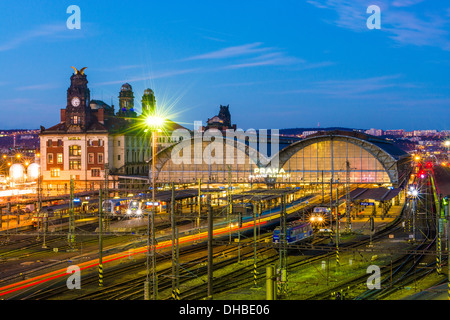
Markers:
{"x": 91, "y": 160}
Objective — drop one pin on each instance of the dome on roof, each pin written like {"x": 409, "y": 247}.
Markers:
{"x": 215, "y": 119}
{"x": 98, "y": 104}
{"x": 126, "y": 87}
{"x": 148, "y": 91}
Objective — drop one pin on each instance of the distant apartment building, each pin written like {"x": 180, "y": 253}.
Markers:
{"x": 396, "y": 133}
{"x": 308, "y": 133}
{"x": 374, "y": 132}
{"x": 424, "y": 133}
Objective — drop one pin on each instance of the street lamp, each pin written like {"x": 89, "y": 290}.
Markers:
{"x": 447, "y": 145}
{"x": 413, "y": 194}
{"x": 155, "y": 123}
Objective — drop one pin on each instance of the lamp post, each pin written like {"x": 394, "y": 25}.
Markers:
{"x": 413, "y": 193}
{"x": 154, "y": 123}
{"x": 447, "y": 145}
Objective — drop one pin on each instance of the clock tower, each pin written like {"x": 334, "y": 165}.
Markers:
{"x": 78, "y": 111}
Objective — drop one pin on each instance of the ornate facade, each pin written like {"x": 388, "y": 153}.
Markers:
{"x": 92, "y": 142}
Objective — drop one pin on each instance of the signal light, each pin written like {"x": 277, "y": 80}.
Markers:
{"x": 429, "y": 164}
{"x": 445, "y": 201}
{"x": 422, "y": 174}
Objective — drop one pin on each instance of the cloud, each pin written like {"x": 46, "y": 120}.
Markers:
{"x": 405, "y": 3}
{"x": 354, "y": 88}
{"x": 400, "y": 20}
{"x": 273, "y": 59}
{"x": 231, "y": 52}
{"x": 248, "y": 56}
{"x": 151, "y": 76}
{"x": 49, "y": 31}
{"x": 43, "y": 86}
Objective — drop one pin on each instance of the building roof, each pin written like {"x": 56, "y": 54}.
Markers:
{"x": 386, "y": 145}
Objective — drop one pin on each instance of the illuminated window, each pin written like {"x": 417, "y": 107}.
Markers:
{"x": 55, "y": 173}
{"x": 75, "y": 150}
{"x": 74, "y": 164}
{"x": 50, "y": 158}
{"x": 59, "y": 158}
{"x": 75, "y": 119}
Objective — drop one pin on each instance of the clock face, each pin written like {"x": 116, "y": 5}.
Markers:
{"x": 75, "y": 101}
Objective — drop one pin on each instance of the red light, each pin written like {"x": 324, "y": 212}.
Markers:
{"x": 422, "y": 174}
{"x": 429, "y": 164}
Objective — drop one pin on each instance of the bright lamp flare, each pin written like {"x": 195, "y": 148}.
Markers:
{"x": 16, "y": 172}
{"x": 154, "y": 121}
{"x": 33, "y": 171}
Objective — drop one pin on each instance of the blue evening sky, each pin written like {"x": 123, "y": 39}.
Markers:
{"x": 278, "y": 64}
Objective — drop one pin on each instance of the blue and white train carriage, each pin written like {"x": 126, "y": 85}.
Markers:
{"x": 296, "y": 232}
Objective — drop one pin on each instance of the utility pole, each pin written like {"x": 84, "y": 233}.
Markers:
{"x": 331, "y": 203}
{"x": 337, "y": 227}
{"x": 282, "y": 287}
{"x": 8, "y": 206}
{"x": 438, "y": 235}
{"x": 210, "y": 249}
{"x": 151, "y": 233}
{"x": 153, "y": 249}
{"x": 44, "y": 245}
{"x": 175, "y": 289}
{"x": 447, "y": 216}
{"x": 39, "y": 203}
{"x": 100, "y": 239}
{"x": 229, "y": 203}
{"x": 199, "y": 203}
{"x": 347, "y": 199}
{"x": 106, "y": 196}
{"x": 414, "y": 218}
{"x": 255, "y": 210}
{"x": 239, "y": 235}
{"x": 71, "y": 235}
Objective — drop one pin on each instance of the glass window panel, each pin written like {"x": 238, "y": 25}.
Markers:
{"x": 327, "y": 162}
{"x": 327, "y": 149}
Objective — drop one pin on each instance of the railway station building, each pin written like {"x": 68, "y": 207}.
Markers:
{"x": 343, "y": 157}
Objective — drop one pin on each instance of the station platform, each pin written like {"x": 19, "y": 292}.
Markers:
{"x": 361, "y": 222}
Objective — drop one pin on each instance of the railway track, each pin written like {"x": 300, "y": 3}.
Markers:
{"x": 131, "y": 289}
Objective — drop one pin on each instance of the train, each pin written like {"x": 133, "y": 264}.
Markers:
{"x": 296, "y": 231}
{"x": 137, "y": 208}
{"x": 115, "y": 207}
{"x": 321, "y": 214}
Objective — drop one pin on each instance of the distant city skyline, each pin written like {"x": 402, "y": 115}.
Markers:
{"x": 278, "y": 65}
